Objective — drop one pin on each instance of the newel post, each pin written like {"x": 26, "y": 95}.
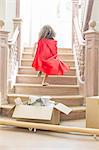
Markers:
{"x": 92, "y": 61}
{"x": 17, "y": 23}
{"x": 3, "y": 64}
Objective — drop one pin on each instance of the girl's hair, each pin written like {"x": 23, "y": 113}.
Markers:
{"x": 46, "y": 32}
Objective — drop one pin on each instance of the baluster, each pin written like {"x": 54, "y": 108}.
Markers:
{"x": 3, "y": 64}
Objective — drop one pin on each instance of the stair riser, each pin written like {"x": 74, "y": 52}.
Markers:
{"x": 74, "y": 115}
{"x": 51, "y": 80}
{"x": 68, "y": 102}
{"x": 61, "y": 50}
{"x": 29, "y": 63}
{"x": 32, "y": 71}
{"x": 46, "y": 90}
{"x": 61, "y": 56}
{"x": 71, "y": 102}
{"x": 65, "y": 57}
{"x": 6, "y": 112}
{"x": 27, "y": 56}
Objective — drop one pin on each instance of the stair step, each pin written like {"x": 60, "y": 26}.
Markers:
{"x": 60, "y": 50}
{"x": 72, "y": 100}
{"x": 65, "y": 56}
{"x": 62, "y": 56}
{"x": 24, "y": 78}
{"x": 31, "y": 70}
{"x": 64, "y": 50}
{"x": 6, "y": 110}
{"x": 7, "y": 106}
{"x": 78, "y": 112}
{"x": 28, "y": 62}
{"x": 38, "y": 89}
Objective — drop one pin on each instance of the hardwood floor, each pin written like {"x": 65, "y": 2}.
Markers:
{"x": 12, "y": 138}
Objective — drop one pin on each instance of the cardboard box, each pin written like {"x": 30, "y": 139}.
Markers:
{"x": 41, "y": 114}
{"x": 92, "y": 112}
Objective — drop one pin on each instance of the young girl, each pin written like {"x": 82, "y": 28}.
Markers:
{"x": 46, "y": 59}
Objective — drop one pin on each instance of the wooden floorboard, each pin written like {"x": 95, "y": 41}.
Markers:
{"x": 12, "y": 138}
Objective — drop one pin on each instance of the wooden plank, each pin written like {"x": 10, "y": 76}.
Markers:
{"x": 55, "y": 128}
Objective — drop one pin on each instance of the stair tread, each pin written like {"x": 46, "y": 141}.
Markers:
{"x": 7, "y": 106}
{"x": 78, "y": 108}
{"x": 59, "y": 53}
{"x": 65, "y": 48}
{"x": 39, "y": 85}
{"x": 54, "y": 76}
{"x": 74, "y": 108}
{"x": 30, "y": 47}
{"x": 29, "y": 59}
{"x": 64, "y": 96}
{"x": 73, "y": 68}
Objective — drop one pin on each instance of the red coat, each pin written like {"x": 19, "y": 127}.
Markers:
{"x": 46, "y": 59}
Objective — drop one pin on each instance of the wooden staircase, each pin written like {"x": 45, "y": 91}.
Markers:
{"x": 63, "y": 89}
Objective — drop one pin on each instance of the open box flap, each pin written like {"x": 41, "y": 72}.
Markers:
{"x": 63, "y": 108}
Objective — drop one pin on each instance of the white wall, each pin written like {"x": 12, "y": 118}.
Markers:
{"x": 36, "y": 13}
{"x": 25, "y": 15}
{"x": 95, "y": 13}
{"x": 2, "y": 9}
{"x": 8, "y": 12}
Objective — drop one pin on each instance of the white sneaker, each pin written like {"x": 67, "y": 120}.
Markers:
{"x": 45, "y": 84}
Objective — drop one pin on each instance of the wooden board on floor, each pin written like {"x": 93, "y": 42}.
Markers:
{"x": 55, "y": 128}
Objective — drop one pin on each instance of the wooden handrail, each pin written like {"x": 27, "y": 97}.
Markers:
{"x": 88, "y": 11}
{"x": 78, "y": 32}
{"x": 13, "y": 40}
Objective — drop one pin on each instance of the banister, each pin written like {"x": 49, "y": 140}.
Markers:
{"x": 78, "y": 32}
{"x": 88, "y": 11}
{"x": 81, "y": 43}
{"x": 13, "y": 40}
{"x": 14, "y": 59}
{"x": 80, "y": 25}
{"x": 77, "y": 67}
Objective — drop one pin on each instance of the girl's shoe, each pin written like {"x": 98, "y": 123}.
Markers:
{"x": 45, "y": 84}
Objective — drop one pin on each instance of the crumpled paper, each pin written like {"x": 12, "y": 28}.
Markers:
{"x": 18, "y": 101}
{"x": 36, "y": 101}
{"x": 41, "y": 100}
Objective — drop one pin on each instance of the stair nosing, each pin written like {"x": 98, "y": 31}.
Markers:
{"x": 51, "y": 85}
{"x": 30, "y": 47}
{"x": 29, "y": 59}
{"x": 59, "y": 53}
{"x": 78, "y": 108}
{"x": 65, "y": 96}
{"x": 51, "y": 76}
{"x": 73, "y": 68}
{"x": 74, "y": 108}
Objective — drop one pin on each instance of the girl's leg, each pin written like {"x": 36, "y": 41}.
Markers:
{"x": 44, "y": 83}
{"x": 39, "y": 73}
